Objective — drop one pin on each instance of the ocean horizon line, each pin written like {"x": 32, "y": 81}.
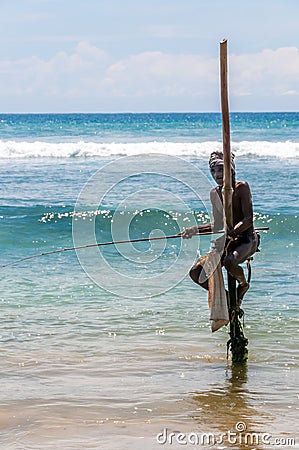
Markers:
{"x": 145, "y": 112}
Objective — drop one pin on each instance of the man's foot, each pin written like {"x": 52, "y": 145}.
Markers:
{"x": 242, "y": 289}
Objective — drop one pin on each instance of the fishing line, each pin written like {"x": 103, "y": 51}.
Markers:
{"x": 67, "y": 249}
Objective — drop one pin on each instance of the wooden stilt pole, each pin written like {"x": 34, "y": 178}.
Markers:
{"x": 237, "y": 342}
{"x": 227, "y": 186}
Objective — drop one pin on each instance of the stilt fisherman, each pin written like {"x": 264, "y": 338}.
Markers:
{"x": 242, "y": 240}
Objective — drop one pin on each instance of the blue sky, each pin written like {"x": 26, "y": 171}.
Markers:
{"x": 154, "y": 55}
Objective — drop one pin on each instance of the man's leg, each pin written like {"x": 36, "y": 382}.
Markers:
{"x": 237, "y": 256}
{"x": 196, "y": 272}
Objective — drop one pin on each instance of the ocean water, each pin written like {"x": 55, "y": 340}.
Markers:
{"x": 110, "y": 347}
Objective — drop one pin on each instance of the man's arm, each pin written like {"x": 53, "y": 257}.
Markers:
{"x": 218, "y": 212}
{"x": 187, "y": 233}
{"x": 246, "y": 212}
{"x": 217, "y": 225}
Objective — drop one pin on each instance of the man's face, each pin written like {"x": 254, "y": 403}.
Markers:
{"x": 217, "y": 173}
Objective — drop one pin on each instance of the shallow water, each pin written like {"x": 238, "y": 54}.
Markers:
{"x": 83, "y": 367}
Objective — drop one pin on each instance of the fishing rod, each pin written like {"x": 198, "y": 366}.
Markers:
{"x": 100, "y": 244}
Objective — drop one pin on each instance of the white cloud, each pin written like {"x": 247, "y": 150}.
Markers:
{"x": 291, "y": 92}
{"x": 89, "y": 73}
{"x": 156, "y": 73}
{"x": 271, "y": 72}
{"x": 53, "y": 77}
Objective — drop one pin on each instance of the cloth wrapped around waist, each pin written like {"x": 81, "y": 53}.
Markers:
{"x": 207, "y": 269}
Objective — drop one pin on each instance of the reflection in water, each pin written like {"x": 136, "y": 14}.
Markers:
{"x": 227, "y": 408}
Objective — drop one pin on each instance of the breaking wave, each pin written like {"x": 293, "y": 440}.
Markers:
{"x": 81, "y": 149}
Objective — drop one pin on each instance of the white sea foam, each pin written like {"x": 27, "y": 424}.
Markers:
{"x": 81, "y": 149}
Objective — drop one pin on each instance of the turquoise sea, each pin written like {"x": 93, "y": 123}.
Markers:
{"x": 111, "y": 348}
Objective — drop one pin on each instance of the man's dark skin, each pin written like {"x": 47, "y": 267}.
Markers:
{"x": 244, "y": 241}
